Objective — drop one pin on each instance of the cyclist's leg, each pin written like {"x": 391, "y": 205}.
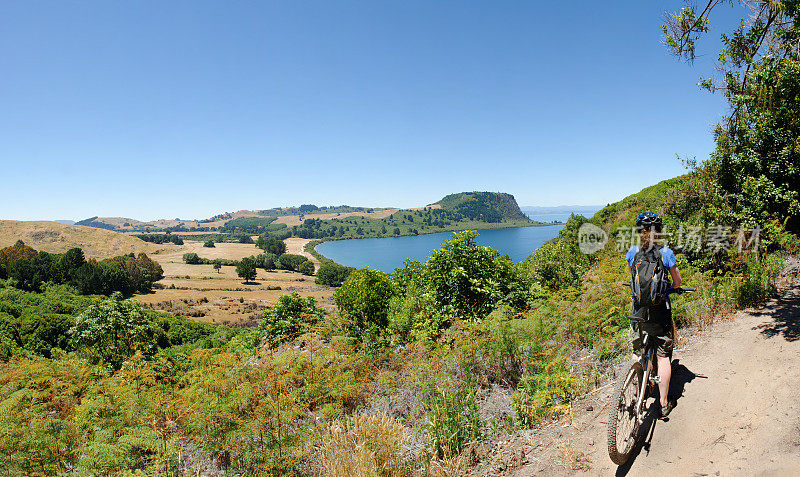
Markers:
{"x": 664, "y": 355}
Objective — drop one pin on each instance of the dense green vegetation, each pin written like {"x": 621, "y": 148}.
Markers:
{"x": 404, "y": 222}
{"x": 160, "y": 238}
{"x": 483, "y": 206}
{"x": 30, "y": 270}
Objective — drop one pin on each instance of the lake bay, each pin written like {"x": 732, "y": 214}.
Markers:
{"x": 388, "y": 253}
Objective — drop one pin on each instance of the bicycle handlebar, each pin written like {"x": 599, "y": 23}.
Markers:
{"x": 678, "y": 290}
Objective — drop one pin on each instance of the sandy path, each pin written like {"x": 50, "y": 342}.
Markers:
{"x": 737, "y": 411}
{"x": 295, "y": 245}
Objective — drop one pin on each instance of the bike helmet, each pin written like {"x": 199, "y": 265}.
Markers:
{"x": 649, "y": 220}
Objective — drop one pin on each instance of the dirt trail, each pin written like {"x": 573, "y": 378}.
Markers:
{"x": 736, "y": 414}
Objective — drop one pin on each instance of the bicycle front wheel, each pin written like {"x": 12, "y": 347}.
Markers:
{"x": 623, "y": 423}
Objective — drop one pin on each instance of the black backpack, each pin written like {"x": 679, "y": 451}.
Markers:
{"x": 649, "y": 282}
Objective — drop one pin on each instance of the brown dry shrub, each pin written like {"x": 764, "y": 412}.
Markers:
{"x": 365, "y": 446}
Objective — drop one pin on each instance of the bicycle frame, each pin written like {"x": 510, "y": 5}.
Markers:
{"x": 648, "y": 362}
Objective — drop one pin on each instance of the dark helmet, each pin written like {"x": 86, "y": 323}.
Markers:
{"x": 649, "y": 220}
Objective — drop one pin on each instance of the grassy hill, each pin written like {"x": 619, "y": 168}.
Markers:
{"x": 462, "y": 211}
{"x": 483, "y": 206}
{"x": 55, "y": 237}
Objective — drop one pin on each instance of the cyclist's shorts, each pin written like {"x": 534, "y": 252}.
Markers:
{"x": 660, "y": 328}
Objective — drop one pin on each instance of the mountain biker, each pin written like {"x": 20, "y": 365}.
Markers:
{"x": 659, "y": 324}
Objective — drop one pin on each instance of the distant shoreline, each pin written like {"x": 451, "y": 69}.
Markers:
{"x": 311, "y": 247}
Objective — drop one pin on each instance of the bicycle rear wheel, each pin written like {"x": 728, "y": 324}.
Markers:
{"x": 623, "y": 423}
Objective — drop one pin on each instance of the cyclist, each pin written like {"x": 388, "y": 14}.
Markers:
{"x": 659, "y": 324}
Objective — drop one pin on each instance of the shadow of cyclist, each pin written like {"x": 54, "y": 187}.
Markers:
{"x": 681, "y": 376}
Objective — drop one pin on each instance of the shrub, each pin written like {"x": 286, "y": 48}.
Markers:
{"x": 306, "y": 268}
{"x": 271, "y": 244}
{"x": 114, "y": 329}
{"x": 247, "y": 269}
{"x": 363, "y": 301}
{"x": 290, "y": 261}
{"x": 366, "y": 445}
{"x": 560, "y": 264}
{"x": 758, "y": 281}
{"x": 454, "y": 422}
{"x": 290, "y": 317}
{"x": 267, "y": 261}
{"x": 468, "y": 280}
{"x": 209, "y": 243}
{"x": 191, "y": 258}
{"x": 332, "y": 274}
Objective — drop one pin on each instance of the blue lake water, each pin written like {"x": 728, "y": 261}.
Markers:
{"x": 388, "y": 253}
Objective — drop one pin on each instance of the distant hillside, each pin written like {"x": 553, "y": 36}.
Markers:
{"x": 57, "y": 238}
{"x": 491, "y": 207}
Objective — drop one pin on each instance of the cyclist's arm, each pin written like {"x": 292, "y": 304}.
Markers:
{"x": 676, "y": 276}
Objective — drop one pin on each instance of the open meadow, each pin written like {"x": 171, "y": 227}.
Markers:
{"x": 204, "y": 294}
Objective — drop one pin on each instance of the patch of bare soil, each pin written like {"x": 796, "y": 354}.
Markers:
{"x": 737, "y": 413}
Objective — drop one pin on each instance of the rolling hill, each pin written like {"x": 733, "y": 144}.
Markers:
{"x": 56, "y": 237}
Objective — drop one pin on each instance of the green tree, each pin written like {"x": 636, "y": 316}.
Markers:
{"x": 332, "y": 274}
{"x": 467, "y": 280}
{"x": 290, "y": 261}
{"x": 363, "y": 301}
{"x": 209, "y": 243}
{"x": 757, "y": 159}
{"x": 290, "y": 317}
{"x": 114, "y": 329}
{"x": 271, "y": 244}
{"x": 247, "y": 269}
{"x": 217, "y": 266}
{"x": 306, "y": 268}
{"x": 191, "y": 258}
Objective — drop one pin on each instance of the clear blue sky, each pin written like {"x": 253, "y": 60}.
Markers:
{"x": 154, "y": 109}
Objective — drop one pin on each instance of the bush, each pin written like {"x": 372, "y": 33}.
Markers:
{"x": 454, "y": 422}
{"x": 191, "y": 258}
{"x": 267, "y": 261}
{"x": 363, "y": 301}
{"x": 290, "y": 261}
{"x": 366, "y": 445}
{"x": 306, "y": 268}
{"x": 247, "y": 269}
{"x": 290, "y": 317}
{"x": 758, "y": 281}
{"x": 209, "y": 244}
{"x": 271, "y": 244}
{"x": 332, "y": 274}
{"x": 560, "y": 264}
{"x": 114, "y": 329}
{"x": 468, "y": 280}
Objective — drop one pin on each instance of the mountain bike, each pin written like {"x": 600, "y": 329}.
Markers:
{"x": 633, "y": 389}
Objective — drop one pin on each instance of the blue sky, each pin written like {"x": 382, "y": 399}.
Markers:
{"x": 153, "y": 109}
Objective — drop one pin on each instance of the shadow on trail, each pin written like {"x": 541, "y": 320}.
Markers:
{"x": 785, "y": 313}
{"x": 681, "y": 376}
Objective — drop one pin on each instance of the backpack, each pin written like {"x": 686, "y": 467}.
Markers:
{"x": 649, "y": 282}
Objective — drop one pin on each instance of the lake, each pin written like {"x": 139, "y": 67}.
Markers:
{"x": 388, "y": 253}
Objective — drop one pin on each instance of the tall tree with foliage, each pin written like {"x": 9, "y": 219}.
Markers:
{"x": 247, "y": 269}
{"x": 757, "y": 158}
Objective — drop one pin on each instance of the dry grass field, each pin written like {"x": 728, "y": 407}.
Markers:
{"x": 197, "y": 291}
{"x": 221, "y": 297}
{"x": 290, "y": 220}
{"x": 55, "y": 237}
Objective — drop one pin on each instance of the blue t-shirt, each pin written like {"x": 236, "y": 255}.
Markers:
{"x": 667, "y": 255}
